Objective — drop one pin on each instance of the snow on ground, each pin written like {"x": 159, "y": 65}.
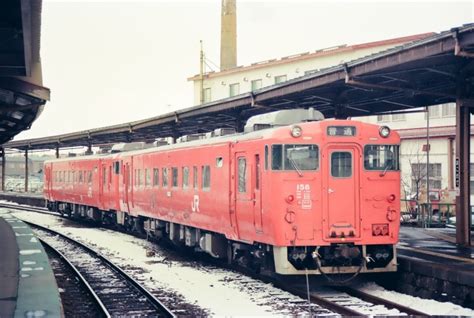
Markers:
{"x": 218, "y": 291}
{"x": 429, "y": 306}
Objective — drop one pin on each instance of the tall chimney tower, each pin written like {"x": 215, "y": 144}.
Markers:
{"x": 228, "y": 35}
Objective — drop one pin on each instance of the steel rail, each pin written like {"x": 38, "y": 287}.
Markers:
{"x": 381, "y": 301}
{"x": 150, "y": 297}
{"x": 80, "y": 276}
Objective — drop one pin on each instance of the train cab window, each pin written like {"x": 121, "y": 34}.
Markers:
{"x": 341, "y": 164}
{"x": 206, "y": 177}
{"x": 381, "y": 157}
{"x": 174, "y": 175}
{"x": 156, "y": 177}
{"x": 242, "y": 174}
{"x": 164, "y": 177}
{"x": 195, "y": 177}
{"x": 147, "y": 178}
{"x": 295, "y": 157}
{"x": 185, "y": 174}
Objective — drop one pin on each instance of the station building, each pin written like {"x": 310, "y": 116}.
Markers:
{"x": 211, "y": 86}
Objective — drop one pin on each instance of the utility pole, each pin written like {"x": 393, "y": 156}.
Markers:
{"x": 228, "y": 34}
{"x": 201, "y": 75}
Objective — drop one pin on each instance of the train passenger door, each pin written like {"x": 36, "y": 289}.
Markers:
{"x": 126, "y": 187}
{"x": 341, "y": 191}
{"x": 247, "y": 189}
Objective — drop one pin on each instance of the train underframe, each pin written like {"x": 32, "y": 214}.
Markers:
{"x": 345, "y": 258}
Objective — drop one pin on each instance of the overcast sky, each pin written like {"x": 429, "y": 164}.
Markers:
{"x": 110, "y": 62}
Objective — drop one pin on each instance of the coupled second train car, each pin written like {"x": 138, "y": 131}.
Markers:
{"x": 293, "y": 194}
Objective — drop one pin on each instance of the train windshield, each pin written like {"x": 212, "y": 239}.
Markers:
{"x": 381, "y": 157}
{"x": 295, "y": 157}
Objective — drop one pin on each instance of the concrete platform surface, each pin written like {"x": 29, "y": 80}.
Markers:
{"x": 30, "y": 288}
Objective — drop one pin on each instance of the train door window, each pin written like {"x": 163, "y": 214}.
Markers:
{"x": 341, "y": 164}
{"x": 73, "y": 177}
{"x": 89, "y": 178}
{"x": 174, "y": 174}
{"x": 164, "y": 177}
{"x": 156, "y": 177}
{"x": 277, "y": 157}
{"x": 195, "y": 177}
{"x": 147, "y": 178}
{"x": 140, "y": 177}
{"x": 206, "y": 177}
{"x": 110, "y": 174}
{"x": 266, "y": 157}
{"x": 80, "y": 176}
{"x": 257, "y": 172}
{"x": 242, "y": 167}
{"x": 104, "y": 175}
{"x": 185, "y": 174}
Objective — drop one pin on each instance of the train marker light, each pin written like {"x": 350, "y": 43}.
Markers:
{"x": 391, "y": 198}
{"x": 296, "y": 131}
{"x": 384, "y": 131}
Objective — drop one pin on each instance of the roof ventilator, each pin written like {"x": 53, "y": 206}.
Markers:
{"x": 283, "y": 117}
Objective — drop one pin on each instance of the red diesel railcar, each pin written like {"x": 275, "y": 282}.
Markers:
{"x": 292, "y": 193}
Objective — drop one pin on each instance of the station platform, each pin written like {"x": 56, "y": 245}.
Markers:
{"x": 28, "y": 286}
{"x": 34, "y": 199}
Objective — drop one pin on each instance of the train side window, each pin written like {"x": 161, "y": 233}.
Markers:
{"x": 219, "y": 162}
{"x": 266, "y": 157}
{"x": 185, "y": 174}
{"x": 104, "y": 174}
{"x": 89, "y": 178}
{"x": 341, "y": 164}
{"x": 117, "y": 167}
{"x": 156, "y": 177}
{"x": 147, "y": 178}
{"x": 277, "y": 157}
{"x": 195, "y": 177}
{"x": 140, "y": 177}
{"x": 80, "y": 176}
{"x": 74, "y": 177}
{"x": 164, "y": 177}
{"x": 242, "y": 174}
{"x": 257, "y": 172}
{"x": 174, "y": 174}
{"x": 206, "y": 177}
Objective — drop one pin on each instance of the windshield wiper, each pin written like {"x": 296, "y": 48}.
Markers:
{"x": 385, "y": 170}
{"x": 293, "y": 163}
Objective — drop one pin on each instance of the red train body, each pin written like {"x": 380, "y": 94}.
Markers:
{"x": 321, "y": 196}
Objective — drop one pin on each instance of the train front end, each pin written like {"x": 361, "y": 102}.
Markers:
{"x": 335, "y": 197}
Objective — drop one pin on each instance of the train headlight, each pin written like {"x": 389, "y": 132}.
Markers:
{"x": 296, "y": 131}
{"x": 384, "y": 131}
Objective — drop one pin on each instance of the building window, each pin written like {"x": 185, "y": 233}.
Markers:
{"x": 382, "y": 118}
{"x": 433, "y": 111}
{"x": 206, "y": 95}
{"x": 398, "y": 117}
{"x": 448, "y": 110}
{"x": 280, "y": 79}
{"x": 234, "y": 89}
{"x": 256, "y": 84}
{"x": 418, "y": 174}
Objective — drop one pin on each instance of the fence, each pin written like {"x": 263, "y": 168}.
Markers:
{"x": 429, "y": 215}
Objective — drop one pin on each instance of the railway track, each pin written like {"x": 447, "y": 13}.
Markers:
{"x": 116, "y": 293}
{"x": 345, "y": 301}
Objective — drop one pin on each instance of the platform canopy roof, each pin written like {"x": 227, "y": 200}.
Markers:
{"x": 431, "y": 71}
{"x": 21, "y": 93}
